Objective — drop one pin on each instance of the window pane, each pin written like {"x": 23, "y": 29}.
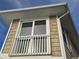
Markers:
{"x": 26, "y": 29}
{"x": 40, "y": 27}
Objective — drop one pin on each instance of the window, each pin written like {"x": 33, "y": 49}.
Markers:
{"x": 26, "y": 29}
{"x": 33, "y": 38}
{"x": 39, "y": 28}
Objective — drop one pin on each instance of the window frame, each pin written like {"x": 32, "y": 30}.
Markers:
{"x": 33, "y": 24}
{"x": 21, "y": 28}
{"x": 33, "y": 20}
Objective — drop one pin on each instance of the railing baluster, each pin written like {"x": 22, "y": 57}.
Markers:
{"x": 20, "y": 43}
{"x": 24, "y": 46}
{"x": 17, "y": 50}
{"x": 46, "y": 43}
{"x": 27, "y": 45}
{"x": 35, "y": 44}
{"x": 39, "y": 43}
{"x": 42, "y": 43}
{"x": 21, "y": 46}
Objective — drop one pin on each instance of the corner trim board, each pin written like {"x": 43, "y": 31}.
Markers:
{"x": 61, "y": 38}
{"x": 6, "y": 37}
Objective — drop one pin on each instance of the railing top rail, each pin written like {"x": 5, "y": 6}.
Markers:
{"x": 32, "y": 36}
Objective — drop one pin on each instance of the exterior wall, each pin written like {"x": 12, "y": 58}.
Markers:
{"x": 10, "y": 37}
{"x": 56, "y": 50}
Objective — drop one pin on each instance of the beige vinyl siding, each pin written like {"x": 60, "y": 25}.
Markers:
{"x": 11, "y": 35}
{"x": 55, "y": 43}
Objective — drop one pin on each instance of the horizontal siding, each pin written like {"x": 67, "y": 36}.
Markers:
{"x": 10, "y": 37}
{"x": 56, "y": 50}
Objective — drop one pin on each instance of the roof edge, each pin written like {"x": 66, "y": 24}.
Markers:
{"x": 30, "y": 8}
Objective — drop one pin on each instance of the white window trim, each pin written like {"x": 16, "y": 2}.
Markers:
{"x": 47, "y": 30}
{"x": 33, "y": 21}
{"x": 48, "y": 33}
{"x": 6, "y": 37}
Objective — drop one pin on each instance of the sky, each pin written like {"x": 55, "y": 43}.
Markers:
{"x": 14, "y": 4}
{"x": 74, "y": 10}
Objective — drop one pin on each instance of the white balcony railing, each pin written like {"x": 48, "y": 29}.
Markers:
{"x": 31, "y": 45}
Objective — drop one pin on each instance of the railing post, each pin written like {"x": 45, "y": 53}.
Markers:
{"x": 48, "y": 45}
{"x": 30, "y": 46}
